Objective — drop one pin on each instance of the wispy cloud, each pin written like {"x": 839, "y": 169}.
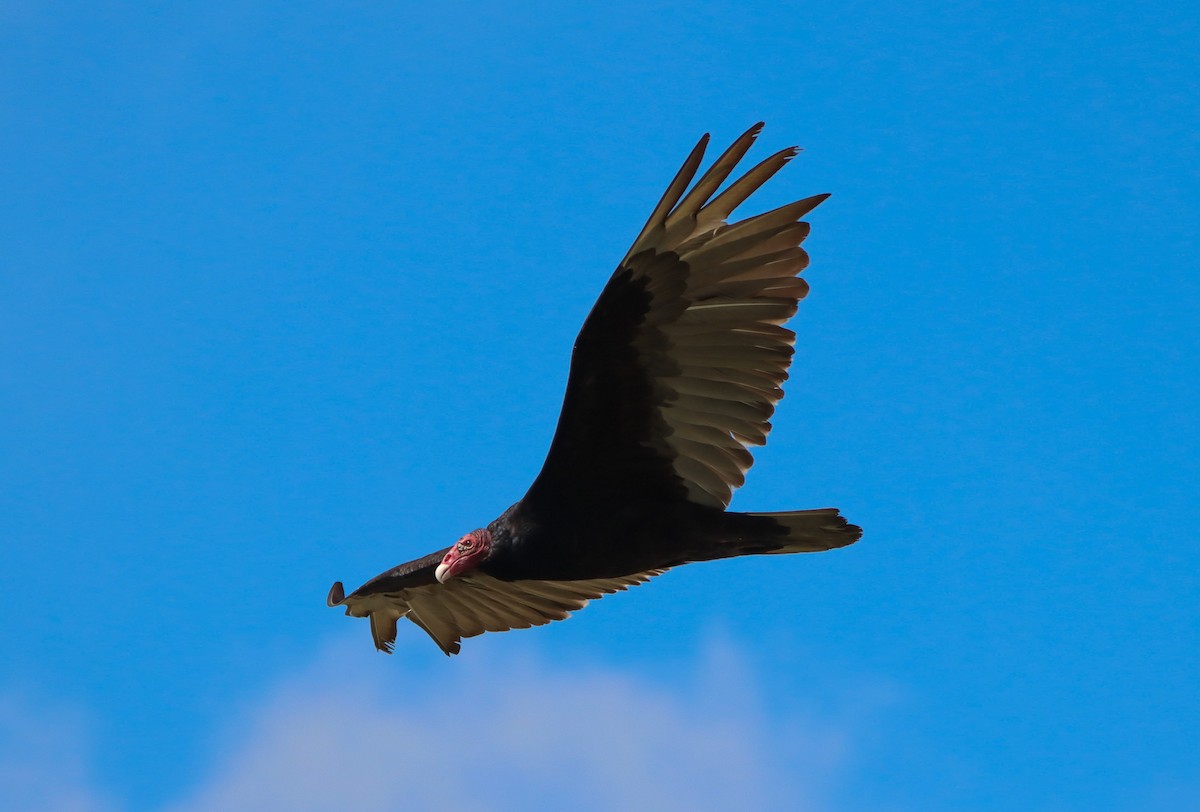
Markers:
{"x": 486, "y": 733}
{"x": 44, "y": 758}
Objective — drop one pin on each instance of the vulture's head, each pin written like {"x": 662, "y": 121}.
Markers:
{"x": 467, "y": 554}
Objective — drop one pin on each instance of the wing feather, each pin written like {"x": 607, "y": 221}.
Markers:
{"x": 678, "y": 368}
{"x": 715, "y": 213}
{"x": 471, "y": 605}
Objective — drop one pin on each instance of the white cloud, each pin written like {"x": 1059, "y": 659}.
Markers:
{"x": 480, "y": 733}
{"x": 44, "y": 758}
{"x": 484, "y": 731}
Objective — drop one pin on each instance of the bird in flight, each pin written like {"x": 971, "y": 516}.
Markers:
{"x": 674, "y": 375}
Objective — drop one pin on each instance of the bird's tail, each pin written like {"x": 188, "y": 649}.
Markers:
{"x": 789, "y": 531}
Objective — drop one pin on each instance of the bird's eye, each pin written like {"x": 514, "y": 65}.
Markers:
{"x": 463, "y": 546}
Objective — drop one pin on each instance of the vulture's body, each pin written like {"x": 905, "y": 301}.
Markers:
{"x": 674, "y": 375}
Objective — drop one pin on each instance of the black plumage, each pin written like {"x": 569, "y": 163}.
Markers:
{"x": 674, "y": 375}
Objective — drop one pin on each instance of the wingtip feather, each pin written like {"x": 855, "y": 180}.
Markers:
{"x": 383, "y": 630}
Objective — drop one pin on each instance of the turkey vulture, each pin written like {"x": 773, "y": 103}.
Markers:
{"x": 675, "y": 373}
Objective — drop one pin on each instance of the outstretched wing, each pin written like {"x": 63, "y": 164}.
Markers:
{"x": 678, "y": 367}
{"x": 469, "y": 605}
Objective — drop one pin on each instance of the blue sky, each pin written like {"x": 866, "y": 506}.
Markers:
{"x": 287, "y": 295}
